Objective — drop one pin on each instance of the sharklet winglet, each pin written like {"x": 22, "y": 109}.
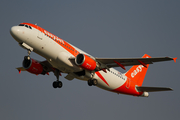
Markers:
{"x": 175, "y": 59}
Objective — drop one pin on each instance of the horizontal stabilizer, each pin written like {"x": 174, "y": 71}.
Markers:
{"x": 152, "y": 89}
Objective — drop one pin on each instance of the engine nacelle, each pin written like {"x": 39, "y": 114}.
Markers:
{"x": 32, "y": 66}
{"x": 85, "y": 62}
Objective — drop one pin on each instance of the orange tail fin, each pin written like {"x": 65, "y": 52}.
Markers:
{"x": 137, "y": 73}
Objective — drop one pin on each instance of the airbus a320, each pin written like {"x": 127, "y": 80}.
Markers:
{"x": 62, "y": 57}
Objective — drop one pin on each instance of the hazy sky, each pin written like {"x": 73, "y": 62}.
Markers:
{"x": 102, "y": 28}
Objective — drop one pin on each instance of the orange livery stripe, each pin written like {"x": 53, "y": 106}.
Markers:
{"x": 55, "y": 38}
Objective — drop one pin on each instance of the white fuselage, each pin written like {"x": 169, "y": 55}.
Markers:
{"x": 63, "y": 57}
{"x": 57, "y": 52}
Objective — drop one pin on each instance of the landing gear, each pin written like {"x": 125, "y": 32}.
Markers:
{"x": 57, "y": 83}
{"x": 28, "y": 56}
{"x": 89, "y": 82}
{"x": 27, "y": 60}
{"x": 29, "y": 52}
{"x": 92, "y": 82}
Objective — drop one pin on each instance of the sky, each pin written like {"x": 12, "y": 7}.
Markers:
{"x": 102, "y": 28}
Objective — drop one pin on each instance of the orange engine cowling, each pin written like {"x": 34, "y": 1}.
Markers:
{"x": 32, "y": 66}
{"x": 85, "y": 62}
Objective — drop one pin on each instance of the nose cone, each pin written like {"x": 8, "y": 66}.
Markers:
{"x": 14, "y": 31}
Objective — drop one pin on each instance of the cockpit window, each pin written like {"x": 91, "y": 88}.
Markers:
{"x": 25, "y": 26}
{"x": 21, "y": 24}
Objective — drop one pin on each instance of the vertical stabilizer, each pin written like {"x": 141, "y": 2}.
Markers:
{"x": 137, "y": 73}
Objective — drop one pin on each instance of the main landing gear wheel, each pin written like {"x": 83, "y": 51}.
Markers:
{"x": 27, "y": 57}
{"x": 89, "y": 82}
{"x": 92, "y": 82}
{"x": 57, "y": 84}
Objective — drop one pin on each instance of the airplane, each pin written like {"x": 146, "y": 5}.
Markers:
{"x": 62, "y": 57}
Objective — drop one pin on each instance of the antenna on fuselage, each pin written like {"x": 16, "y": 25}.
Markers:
{"x": 35, "y": 23}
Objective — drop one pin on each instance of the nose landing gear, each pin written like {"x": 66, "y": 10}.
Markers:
{"x": 29, "y": 52}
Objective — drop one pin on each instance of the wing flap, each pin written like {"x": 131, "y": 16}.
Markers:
{"x": 47, "y": 66}
{"x": 152, "y": 89}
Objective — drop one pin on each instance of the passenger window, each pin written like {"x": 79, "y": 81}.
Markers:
{"x": 30, "y": 27}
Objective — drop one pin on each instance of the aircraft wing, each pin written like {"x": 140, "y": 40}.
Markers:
{"x": 116, "y": 62}
{"x": 47, "y": 66}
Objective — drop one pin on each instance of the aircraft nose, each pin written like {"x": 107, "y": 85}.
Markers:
{"x": 14, "y": 31}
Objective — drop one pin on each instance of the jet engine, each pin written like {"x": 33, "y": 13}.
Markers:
{"x": 32, "y": 66}
{"x": 85, "y": 62}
